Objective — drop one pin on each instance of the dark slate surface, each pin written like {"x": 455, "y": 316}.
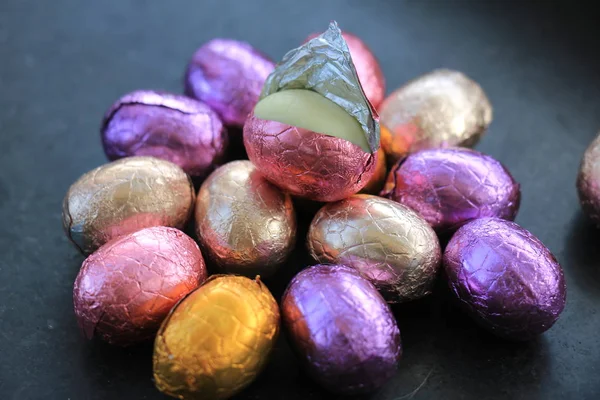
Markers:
{"x": 63, "y": 62}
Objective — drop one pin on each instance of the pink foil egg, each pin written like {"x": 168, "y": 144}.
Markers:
{"x": 305, "y": 163}
{"x": 126, "y": 288}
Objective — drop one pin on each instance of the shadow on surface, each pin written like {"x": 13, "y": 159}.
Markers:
{"x": 438, "y": 336}
{"x": 108, "y": 365}
{"x": 582, "y": 254}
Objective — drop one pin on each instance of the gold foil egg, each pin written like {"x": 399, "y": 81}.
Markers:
{"x": 125, "y": 196}
{"x": 440, "y": 109}
{"x": 386, "y": 242}
{"x": 217, "y": 340}
{"x": 245, "y": 224}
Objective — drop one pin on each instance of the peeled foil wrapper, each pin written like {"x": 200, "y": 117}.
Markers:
{"x": 324, "y": 65}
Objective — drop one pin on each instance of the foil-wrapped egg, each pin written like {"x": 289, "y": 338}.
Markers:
{"x": 245, "y": 224}
{"x": 313, "y": 132}
{"x": 367, "y": 67}
{"x": 440, "y": 109}
{"x": 305, "y": 163}
{"x": 217, "y": 340}
{"x": 228, "y": 75}
{"x": 505, "y": 277}
{"x": 168, "y": 126}
{"x": 341, "y": 328}
{"x": 387, "y": 242}
{"x": 588, "y": 181}
{"x": 125, "y": 196}
{"x": 449, "y": 187}
{"x": 379, "y": 176}
{"x": 126, "y": 288}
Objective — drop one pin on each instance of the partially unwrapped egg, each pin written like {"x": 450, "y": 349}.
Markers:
{"x": 245, "y": 224}
{"x": 505, "y": 278}
{"x": 341, "y": 328}
{"x": 450, "y": 187}
{"x": 313, "y": 133}
{"x": 306, "y": 163}
{"x": 440, "y": 109}
{"x": 125, "y": 196}
{"x": 386, "y": 242}
{"x": 127, "y": 287}
{"x": 168, "y": 126}
{"x": 228, "y": 75}
{"x": 216, "y": 340}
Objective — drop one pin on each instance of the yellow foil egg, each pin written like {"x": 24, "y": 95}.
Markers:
{"x": 217, "y": 340}
{"x": 245, "y": 224}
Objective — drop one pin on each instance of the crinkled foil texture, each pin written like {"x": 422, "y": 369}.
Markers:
{"x": 367, "y": 68}
{"x": 387, "y": 242}
{"x": 588, "y": 181}
{"x": 228, "y": 75}
{"x": 245, "y": 224}
{"x": 441, "y": 109}
{"x": 217, "y": 340}
{"x": 305, "y": 163}
{"x": 172, "y": 127}
{"x": 124, "y": 290}
{"x": 505, "y": 278}
{"x": 341, "y": 328}
{"x": 379, "y": 176}
{"x": 125, "y": 196}
{"x": 324, "y": 65}
{"x": 449, "y": 187}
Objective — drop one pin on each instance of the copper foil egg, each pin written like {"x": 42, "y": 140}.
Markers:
{"x": 126, "y": 288}
{"x": 217, "y": 340}
{"x": 505, "y": 278}
{"x": 367, "y": 67}
{"x": 440, "y": 109}
{"x": 588, "y": 181}
{"x": 449, "y": 187}
{"x": 305, "y": 163}
{"x": 342, "y": 329}
{"x": 388, "y": 243}
{"x": 245, "y": 224}
{"x": 228, "y": 75}
{"x": 125, "y": 196}
{"x": 168, "y": 126}
{"x": 379, "y": 176}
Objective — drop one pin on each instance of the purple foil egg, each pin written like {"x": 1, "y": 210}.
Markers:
{"x": 505, "y": 278}
{"x": 228, "y": 75}
{"x": 341, "y": 328}
{"x": 168, "y": 126}
{"x": 450, "y": 187}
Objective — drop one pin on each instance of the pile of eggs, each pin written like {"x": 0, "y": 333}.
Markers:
{"x": 374, "y": 235}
